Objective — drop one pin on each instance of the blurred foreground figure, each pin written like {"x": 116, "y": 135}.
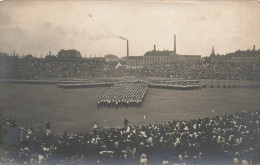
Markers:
{"x": 126, "y": 123}
{"x": 11, "y": 133}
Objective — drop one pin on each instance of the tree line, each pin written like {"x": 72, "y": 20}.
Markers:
{"x": 62, "y": 54}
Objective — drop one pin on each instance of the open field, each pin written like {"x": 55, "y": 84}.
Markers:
{"x": 76, "y": 109}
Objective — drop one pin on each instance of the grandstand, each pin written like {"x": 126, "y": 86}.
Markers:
{"x": 35, "y": 68}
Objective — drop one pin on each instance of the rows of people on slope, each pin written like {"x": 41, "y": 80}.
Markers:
{"x": 200, "y": 70}
{"x": 201, "y": 140}
{"x": 33, "y": 69}
{"x": 40, "y": 69}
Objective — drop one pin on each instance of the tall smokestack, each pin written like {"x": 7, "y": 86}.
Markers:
{"x": 127, "y": 49}
{"x": 154, "y": 47}
{"x": 254, "y": 48}
{"x": 174, "y": 44}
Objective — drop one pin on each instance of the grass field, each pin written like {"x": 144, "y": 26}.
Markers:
{"x": 76, "y": 109}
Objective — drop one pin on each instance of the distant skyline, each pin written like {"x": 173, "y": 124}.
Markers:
{"x": 95, "y": 27}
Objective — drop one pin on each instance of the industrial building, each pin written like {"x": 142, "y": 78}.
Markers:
{"x": 157, "y": 57}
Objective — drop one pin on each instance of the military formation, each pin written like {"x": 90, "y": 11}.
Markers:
{"x": 232, "y": 85}
{"x": 86, "y": 85}
{"x": 123, "y": 94}
{"x": 175, "y": 87}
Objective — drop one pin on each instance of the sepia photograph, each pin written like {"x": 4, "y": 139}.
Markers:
{"x": 142, "y": 82}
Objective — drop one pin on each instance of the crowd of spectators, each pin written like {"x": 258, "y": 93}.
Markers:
{"x": 200, "y": 70}
{"x": 211, "y": 140}
{"x": 38, "y": 68}
{"x": 41, "y": 69}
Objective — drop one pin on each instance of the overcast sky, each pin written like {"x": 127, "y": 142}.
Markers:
{"x": 93, "y": 27}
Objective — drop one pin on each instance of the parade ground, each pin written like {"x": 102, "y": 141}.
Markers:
{"x": 75, "y": 110}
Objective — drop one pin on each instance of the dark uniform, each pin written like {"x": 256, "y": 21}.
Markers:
{"x": 126, "y": 123}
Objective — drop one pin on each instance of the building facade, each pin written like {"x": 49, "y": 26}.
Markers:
{"x": 157, "y": 57}
{"x": 164, "y": 57}
{"x": 248, "y": 56}
{"x": 134, "y": 62}
{"x": 189, "y": 58}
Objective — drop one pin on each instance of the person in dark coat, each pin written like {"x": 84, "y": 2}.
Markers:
{"x": 126, "y": 123}
{"x": 48, "y": 125}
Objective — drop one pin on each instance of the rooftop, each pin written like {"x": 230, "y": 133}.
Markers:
{"x": 190, "y": 55}
{"x": 159, "y": 53}
{"x": 246, "y": 53}
{"x": 110, "y": 56}
{"x": 135, "y": 58}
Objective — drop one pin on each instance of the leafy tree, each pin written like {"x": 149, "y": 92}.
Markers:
{"x": 3, "y": 54}
{"x": 69, "y": 54}
{"x": 50, "y": 57}
{"x": 29, "y": 56}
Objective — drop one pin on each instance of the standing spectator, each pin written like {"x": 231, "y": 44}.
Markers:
{"x": 48, "y": 128}
{"x": 95, "y": 126}
{"x": 126, "y": 123}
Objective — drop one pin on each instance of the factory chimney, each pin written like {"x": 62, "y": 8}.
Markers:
{"x": 127, "y": 49}
{"x": 154, "y": 47}
{"x": 254, "y": 48}
{"x": 174, "y": 44}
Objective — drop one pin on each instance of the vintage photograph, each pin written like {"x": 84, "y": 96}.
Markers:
{"x": 130, "y": 82}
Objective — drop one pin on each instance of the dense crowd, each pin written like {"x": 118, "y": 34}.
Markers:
{"x": 43, "y": 68}
{"x": 212, "y": 140}
{"x": 200, "y": 70}
{"x": 123, "y": 94}
{"x": 35, "y": 68}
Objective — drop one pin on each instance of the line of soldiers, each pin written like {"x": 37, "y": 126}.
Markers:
{"x": 86, "y": 85}
{"x": 175, "y": 87}
{"x": 123, "y": 94}
{"x": 233, "y": 85}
